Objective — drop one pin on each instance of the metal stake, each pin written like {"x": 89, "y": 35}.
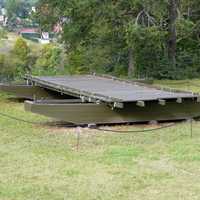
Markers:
{"x": 78, "y": 130}
{"x": 191, "y": 128}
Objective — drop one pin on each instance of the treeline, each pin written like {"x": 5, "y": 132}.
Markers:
{"x": 18, "y": 10}
{"x": 24, "y": 58}
{"x": 140, "y": 38}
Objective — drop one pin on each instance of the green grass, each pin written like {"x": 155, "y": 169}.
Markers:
{"x": 188, "y": 85}
{"x": 42, "y": 163}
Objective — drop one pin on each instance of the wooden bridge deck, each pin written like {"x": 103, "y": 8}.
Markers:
{"x": 107, "y": 89}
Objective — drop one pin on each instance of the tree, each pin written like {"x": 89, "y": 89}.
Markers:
{"x": 12, "y": 6}
{"x": 21, "y": 49}
{"x": 48, "y": 62}
{"x": 19, "y": 8}
{"x": 20, "y": 56}
{"x": 3, "y": 34}
{"x": 133, "y": 37}
{"x": 173, "y": 13}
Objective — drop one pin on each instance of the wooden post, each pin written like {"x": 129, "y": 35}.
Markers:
{"x": 191, "y": 128}
{"x": 78, "y": 131}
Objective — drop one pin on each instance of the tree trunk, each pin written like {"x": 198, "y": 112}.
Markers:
{"x": 173, "y": 14}
{"x": 62, "y": 59}
{"x": 131, "y": 67}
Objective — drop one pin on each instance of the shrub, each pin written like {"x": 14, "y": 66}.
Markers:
{"x": 19, "y": 58}
{"x": 3, "y": 33}
{"x": 48, "y": 61}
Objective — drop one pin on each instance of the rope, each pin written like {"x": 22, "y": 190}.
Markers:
{"x": 137, "y": 131}
{"x": 92, "y": 128}
{"x": 19, "y": 119}
{"x": 31, "y": 122}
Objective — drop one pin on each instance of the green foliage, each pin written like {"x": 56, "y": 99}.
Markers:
{"x": 3, "y": 34}
{"x": 26, "y": 58}
{"x": 7, "y": 69}
{"x": 18, "y": 8}
{"x": 90, "y": 59}
{"x": 98, "y": 38}
{"x": 2, "y": 63}
{"x": 21, "y": 49}
{"x": 20, "y": 57}
{"x": 148, "y": 44}
{"x": 48, "y": 61}
{"x": 11, "y": 7}
{"x": 99, "y": 35}
{"x": 2, "y": 59}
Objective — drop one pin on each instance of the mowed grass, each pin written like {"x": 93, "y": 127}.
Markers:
{"x": 187, "y": 85}
{"x": 43, "y": 163}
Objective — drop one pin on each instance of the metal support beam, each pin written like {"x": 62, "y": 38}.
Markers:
{"x": 91, "y": 113}
{"x": 58, "y": 101}
{"x": 118, "y": 105}
{"x": 28, "y": 91}
{"x": 98, "y": 102}
{"x": 140, "y": 103}
{"x": 179, "y": 100}
{"x": 83, "y": 99}
{"x": 162, "y": 102}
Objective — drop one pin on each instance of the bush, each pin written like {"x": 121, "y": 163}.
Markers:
{"x": 19, "y": 58}
{"x": 3, "y": 33}
{"x": 49, "y": 61}
{"x": 7, "y": 70}
{"x": 21, "y": 49}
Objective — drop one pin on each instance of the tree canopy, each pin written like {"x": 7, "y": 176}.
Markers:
{"x": 19, "y": 8}
{"x": 143, "y": 38}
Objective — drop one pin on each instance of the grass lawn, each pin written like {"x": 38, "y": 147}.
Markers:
{"x": 42, "y": 163}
